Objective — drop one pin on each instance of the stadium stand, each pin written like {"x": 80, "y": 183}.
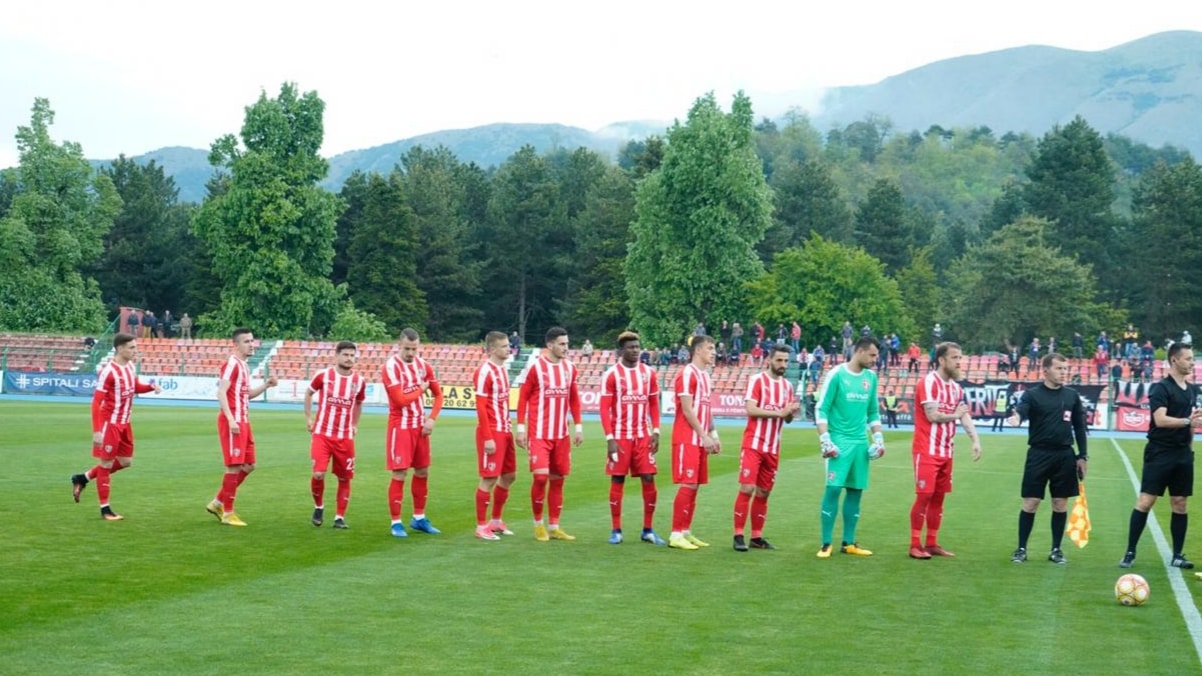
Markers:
{"x": 61, "y": 354}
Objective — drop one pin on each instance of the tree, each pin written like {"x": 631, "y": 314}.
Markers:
{"x": 698, "y": 219}
{"x": 143, "y": 263}
{"x": 642, "y": 157}
{"x": 448, "y": 266}
{"x": 1072, "y": 186}
{"x": 57, "y": 215}
{"x": 383, "y": 254}
{"x": 1017, "y": 286}
{"x": 807, "y": 201}
{"x": 1166, "y": 249}
{"x": 271, "y": 232}
{"x": 919, "y": 287}
{"x": 881, "y": 225}
{"x": 824, "y": 283}
{"x": 353, "y": 195}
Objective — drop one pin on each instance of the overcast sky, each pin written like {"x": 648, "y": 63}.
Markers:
{"x": 130, "y": 77}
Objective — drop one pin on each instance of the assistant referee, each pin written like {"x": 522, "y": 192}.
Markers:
{"x": 1057, "y": 415}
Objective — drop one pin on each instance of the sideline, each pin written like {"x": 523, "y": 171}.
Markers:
{"x": 1185, "y": 600}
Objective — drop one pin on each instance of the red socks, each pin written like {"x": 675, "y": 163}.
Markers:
{"x": 682, "y": 509}
{"x": 396, "y": 496}
{"x": 538, "y": 495}
{"x": 918, "y": 517}
{"x": 420, "y": 489}
{"x": 500, "y": 495}
{"x": 934, "y": 518}
{"x": 344, "y": 497}
{"x": 742, "y": 507}
{"x": 759, "y": 514}
{"x": 102, "y": 484}
{"x": 649, "y": 497}
{"x": 317, "y": 487}
{"x": 482, "y": 506}
{"x": 615, "y": 504}
{"x": 229, "y": 489}
{"x": 555, "y": 500}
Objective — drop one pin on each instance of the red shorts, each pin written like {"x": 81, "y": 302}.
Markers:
{"x": 932, "y": 474}
{"x": 552, "y": 455}
{"x": 502, "y": 461}
{"x": 759, "y": 468}
{"x": 690, "y": 464}
{"x": 322, "y": 449}
{"x": 236, "y": 449}
{"x": 634, "y": 458}
{"x": 118, "y": 442}
{"x": 406, "y": 448}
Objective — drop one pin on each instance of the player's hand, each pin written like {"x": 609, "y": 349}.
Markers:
{"x": 829, "y": 449}
{"x": 309, "y": 423}
{"x": 520, "y": 440}
{"x": 490, "y": 447}
{"x": 354, "y": 431}
{"x": 976, "y": 450}
{"x": 235, "y": 428}
{"x": 157, "y": 388}
{"x": 876, "y": 450}
{"x": 272, "y": 381}
{"x": 611, "y": 449}
{"x": 97, "y": 438}
{"x": 578, "y": 438}
{"x": 427, "y": 427}
{"x": 423, "y": 385}
{"x": 1195, "y": 418}
{"x": 654, "y": 444}
{"x": 708, "y": 443}
{"x": 1014, "y": 420}
{"x": 960, "y": 411}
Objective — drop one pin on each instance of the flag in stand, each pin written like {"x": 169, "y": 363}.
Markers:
{"x": 1078, "y": 520}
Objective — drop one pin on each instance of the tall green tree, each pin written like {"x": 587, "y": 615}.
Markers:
{"x": 449, "y": 268}
{"x": 807, "y": 201}
{"x": 353, "y": 195}
{"x": 918, "y": 284}
{"x": 53, "y": 229}
{"x": 383, "y": 254}
{"x": 271, "y": 233}
{"x": 145, "y": 254}
{"x": 1165, "y": 250}
{"x": 698, "y": 220}
{"x": 1017, "y": 286}
{"x": 824, "y": 283}
{"x": 882, "y": 226}
{"x": 1071, "y": 185}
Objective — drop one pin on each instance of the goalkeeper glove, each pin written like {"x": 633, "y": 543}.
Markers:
{"x": 829, "y": 449}
{"x": 877, "y": 448}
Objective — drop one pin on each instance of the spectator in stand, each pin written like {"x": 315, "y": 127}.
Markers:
{"x": 1104, "y": 343}
{"x": 795, "y": 337}
{"x": 782, "y": 334}
{"x": 1116, "y": 372}
{"x": 682, "y": 355}
{"x": 646, "y": 357}
{"x": 1078, "y": 345}
{"x": 914, "y": 353}
{"x": 865, "y": 331}
{"x": 699, "y": 330}
{"x": 1186, "y": 339}
{"x": 168, "y": 322}
{"x": 847, "y": 335}
{"x": 819, "y": 359}
{"x": 1100, "y": 361}
{"x": 757, "y": 355}
{"x": 664, "y": 357}
{"x": 586, "y": 350}
{"x": 1012, "y": 352}
{"x": 736, "y": 337}
{"x": 1130, "y": 339}
{"x": 149, "y": 325}
{"x": 132, "y": 323}
{"x": 1033, "y": 355}
{"x": 833, "y": 352}
{"x": 515, "y": 343}
{"x": 185, "y": 327}
{"x": 724, "y": 332}
{"x": 757, "y": 331}
{"x": 1051, "y": 344}
{"x": 937, "y": 333}
{"x": 720, "y": 358}
{"x": 895, "y": 349}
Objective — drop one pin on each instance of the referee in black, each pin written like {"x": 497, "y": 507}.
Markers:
{"x": 1169, "y": 454}
{"x": 1057, "y": 415}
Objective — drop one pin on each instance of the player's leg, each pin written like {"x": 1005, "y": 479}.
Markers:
{"x": 500, "y": 494}
{"x": 489, "y": 469}
{"x": 702, "y": 478}
{"x": 765, "y": 479}
{"x": 1180, "y": 488}
{"x": 1153, "y": 482}
{"x": 1032, "y": 491}
{"x": 319, "y": 453}
{"x": 560, "y": 466}
{"x": 400, "y": 447}
{"x": 943, "y": 486}
{"x": 642, "y": 464}
{"x": 924, "y": 489}
{"x": 854, "y": 484}
{"x": 1062, "y": 486}
{"x": 344, "y": 471}
{"x": 539, "y": 463}
{"x": 420, "y": 487}
{"x": 684, "y": 472}
{"x": 749, "y": 467}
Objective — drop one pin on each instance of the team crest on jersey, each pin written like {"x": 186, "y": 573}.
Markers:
{"x": 688, "y": 473}
{"x": 1068, "y": 416}
{"x": 108, "y": 448}
{"x": 864, "y": 385}
{"x": 922, "y": 483}
{"x": 492, "y": 466}
{"x": 746, "y": 472}
{"x": 830, "y": 476}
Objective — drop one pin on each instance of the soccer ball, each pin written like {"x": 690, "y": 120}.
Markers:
{"x": 1131, "y": 590}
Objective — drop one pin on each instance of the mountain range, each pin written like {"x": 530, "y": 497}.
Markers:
{"x": 1149, "y": 90}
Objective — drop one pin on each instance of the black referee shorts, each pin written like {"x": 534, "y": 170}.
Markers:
{"x": 1169, "y": 468}
{"x": 1054, "y": 471}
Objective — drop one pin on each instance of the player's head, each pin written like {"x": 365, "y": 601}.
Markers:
{"x": 947, "y": 360}
{"x": 244, "y": 341}
{"x": 408, "y": 344}
{"x": 346, "y": 354}
{"x": 701, "y": 350}
{"x": 557, "y": 342}
{"x": 1181, "y": 358}
{"x": 496, "y": 345}
{"x": 126, "y": 346}
{"x": 629, "y": 347}
{"x": 778, "y": 360}
{"x": 1055, "y": 369}
{"x": 865, "y": 351}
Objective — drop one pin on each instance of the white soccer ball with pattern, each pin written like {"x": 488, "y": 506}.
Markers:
{"x": 1131, "y": 590}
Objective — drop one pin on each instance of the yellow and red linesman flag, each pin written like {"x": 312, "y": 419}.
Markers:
{"x": 1078, "y": 520}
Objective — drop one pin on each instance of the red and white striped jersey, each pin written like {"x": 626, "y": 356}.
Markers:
{"x": 117, "y": 385}
{"x": 237, "y": 373}
{"x": 336, "y": 398}
{"x": 408, "y": 375}
{"x": 692, "y": 382}
{"x": 491, "y": 383}
{"x": 548, "y": 395}
{"x": 936, "y": 439}
{"x": 629, "y": 401}
{"x": 770, "y": 394}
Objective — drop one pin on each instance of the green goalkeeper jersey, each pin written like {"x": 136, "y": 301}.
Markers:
{"x": 847, "y": 403}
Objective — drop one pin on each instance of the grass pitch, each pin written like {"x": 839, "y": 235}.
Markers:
{"x": 169, "y": 590}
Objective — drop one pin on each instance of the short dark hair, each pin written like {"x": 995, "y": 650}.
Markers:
{"x": 865, "y": 342}
{"x": 1051, "y": 358}
{"x": 626, "y": 337}
{"x": 120, "y": 339}
{"x": 554, "y": 333}
{"x": 409, "y": 334}
{"x": 778, "y": 348}
{"x": 345, "y": 345}
{"x": 698, "y": 341}
{"x": 240, "y": 331}
{"x": 494, "y": 337}
{"x": 1177, "y": 348}
{"x": 942, "y": 349}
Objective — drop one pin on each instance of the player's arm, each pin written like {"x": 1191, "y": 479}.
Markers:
{"x": 98, "y": 416}
{"x": 142, "y": 388}
{"x": 357, "y": 411}
{"x": 262, "y": 387}
{"x": 484, "y": 417}
{"x": 653, "y": 410}
{"x": 309, "y": 408}
{"x": 400, "y": 399}
{"x": 223, "y": 400}
{"x": 970, "y": 429}
{"x": 525, "y": 392}
{"x": 708, "y": 440}
{"x": 574, "y": 409}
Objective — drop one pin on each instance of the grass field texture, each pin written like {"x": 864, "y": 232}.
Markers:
{"x": 169, "y": 590}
